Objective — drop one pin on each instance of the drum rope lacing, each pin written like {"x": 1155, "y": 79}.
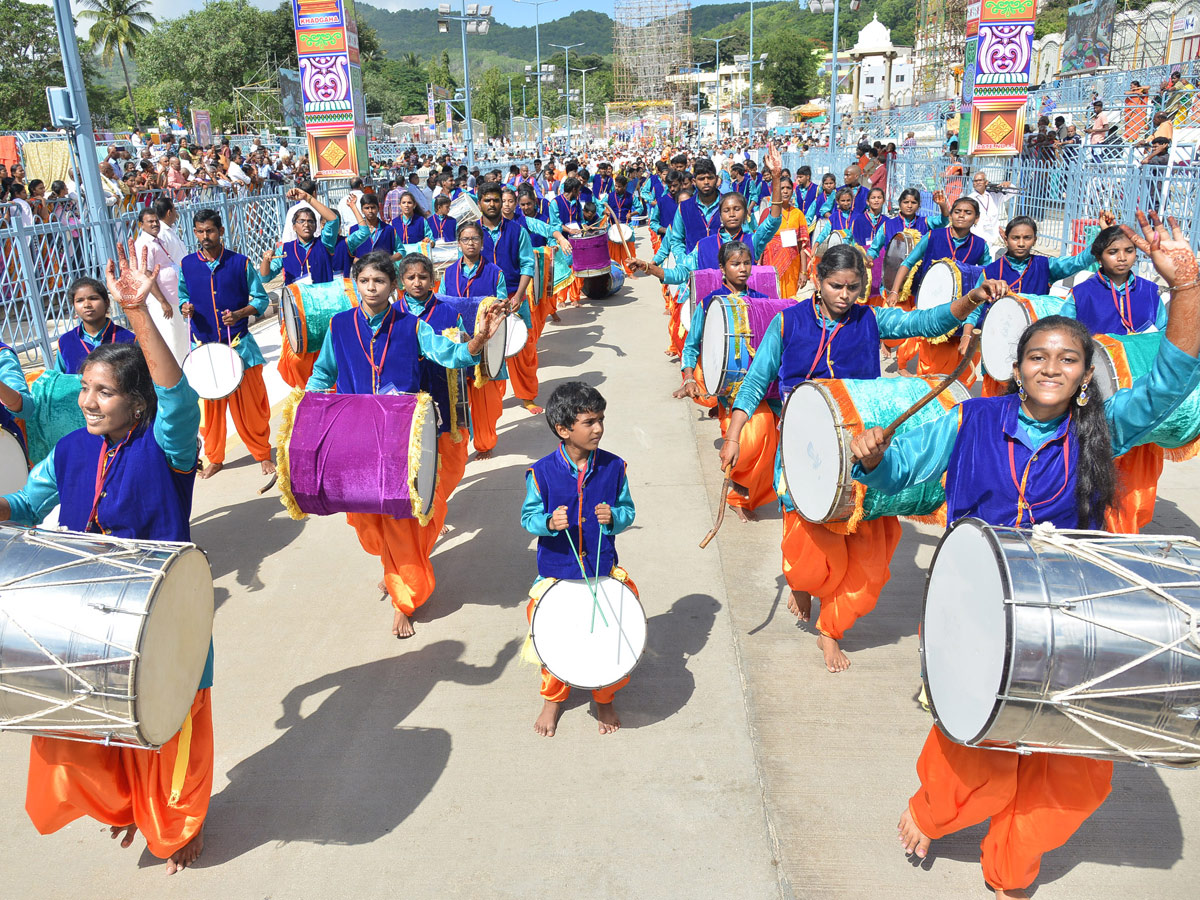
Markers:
{"x": 1048, "y": 534}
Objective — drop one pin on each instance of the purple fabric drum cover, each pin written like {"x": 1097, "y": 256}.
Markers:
{"x": 589, "y": 255}
{"x": 760, "y": 313}
{"x": 350, "y": 453}
{"x": 763, "y": 279}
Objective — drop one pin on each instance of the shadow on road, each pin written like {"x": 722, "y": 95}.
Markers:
{"x": 224, "y": 534}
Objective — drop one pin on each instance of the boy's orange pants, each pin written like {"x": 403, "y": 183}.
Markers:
{"x": 846, "y": 572}
{"x": 1035, "y": 802}
{"x": 403, "y": 545}
{"x": 123, "y": 786}
{"x": 251, "y": 418}
{"x": 487, "y": 403}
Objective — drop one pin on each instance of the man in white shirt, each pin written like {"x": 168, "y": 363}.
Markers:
{"x": 236, "y": 174}
{"x": 170, "y": 324}
{"x": 987, "y": 226}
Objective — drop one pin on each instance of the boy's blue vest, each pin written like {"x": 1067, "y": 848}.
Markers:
{"x": 695, "y": 225}
{"x": 559, "y": 487}
{"x": 383, "y": 239}
{"x": 232, "y": 293}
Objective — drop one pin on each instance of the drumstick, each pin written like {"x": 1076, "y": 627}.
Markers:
{"x": 720, "y": 508}
{"x": 270, "y": 484}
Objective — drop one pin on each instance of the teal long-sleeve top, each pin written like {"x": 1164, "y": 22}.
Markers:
{"x": 1068, "y": 307}
{"x": 175, "y": 428}
{"x": 247, "y": 346}
{"x": 817, "y": 208}
{"x": 918, "y": 252}
{"x": 12, "y": 375}
{"x": 1060, "y": 267}
{"x": 358, "y": 237}
{"x": 675, "y": 233}
{"x": 442, "y": 350}
{"x": 893, "y": 323}
{"x": 534, "y": 518}
{"x": 562, "y": 261}
{"x": 500, "y": 291}
{"x": 877, "y": 245}
{"x": 690, "y": 263}
{"x": 923, "y": 454}
{"x": 330, "y": 232}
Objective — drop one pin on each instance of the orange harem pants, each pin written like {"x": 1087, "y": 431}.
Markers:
{"x": 556, "y": 691}
{"x": 755, "y": 470}
{"x": 251, "y": 418}
{"x": 295, "y": 368}
{"x": 1137, "y": 489}
{"x": 935, "y": 359}
{"x": 403, "y": 545}
{"x": 452, "y": 465}
{"x": 676, "y": 329}
{"x": 1035, "y": 802}
{"x": 123, "y": 786}
{"x": 522, "y": 368}
{"x": 846, "y": 572}
{"x": 487, "y": 403}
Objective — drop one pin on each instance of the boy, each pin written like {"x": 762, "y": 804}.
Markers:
{"x": 442, "y": 225}
{"x": 583, "y": 490}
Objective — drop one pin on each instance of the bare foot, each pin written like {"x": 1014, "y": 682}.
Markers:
{"x": 912, "y": 838}
{"x": 835, "y": 660}
{"x": 532, "y": 408}
{"x": 800, "y": 605}
{"x": 268, "y": 467}
{"x": 445, "y": 531}
{"x": 607, "y": 717}
{"x": 743, "y": 514}
{"x": 554, "y": 317}
{"x": 547, "y": 720}
{"x": 402, "y": 626}
{"x": 213, "y": 468}
{"x": 483, "y": 454}
{"x": 129, "y": 832}
{"x": 1012, "y": 894}
{"x": 187, "y": 854}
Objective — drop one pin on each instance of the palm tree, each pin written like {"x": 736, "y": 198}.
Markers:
{"x": 118, "y": 25}
{"x": 411, "y": 59}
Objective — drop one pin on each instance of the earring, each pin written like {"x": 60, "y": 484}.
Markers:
{"x": 137, "y": 413}
{"x": 1083, "y": 398}
{"x": 1021, "y": 391}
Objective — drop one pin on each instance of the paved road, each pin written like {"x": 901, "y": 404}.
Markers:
{"x": 350, "y": 764}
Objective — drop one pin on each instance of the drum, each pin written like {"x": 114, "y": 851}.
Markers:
{"x": 620, "y": 240}
{"x": 589, "y": 643}
{"x": 1120, "y": 360}
{"x": 471, "y": 310}
{"x": 307, "y": 310}
{"x": 213, "y": 370}
{"x": 1003, "y": 326}
{"x": 945, "y": 281}
{"x": 324, "y": 468}
{"x": 819, "y": 420}
{"x": 101, "y": 638}
{"x": 597, "y": 287}
{"x": 831, "y": 240}
{"x": 1080, "y": 643}
{"x": 518, "y": 334}
{"x": 464, "y": 209}
{"x": 14, "y": 467}
{"x": 763, "y": 279}
{"x": 897, "y": 251}
{"x": 542, "y": 283}
{"x": 55, "y": 414}
{"x": 733, "y": 329}
{"x": 444, "y": 254}
{"x": 589, "y": 256}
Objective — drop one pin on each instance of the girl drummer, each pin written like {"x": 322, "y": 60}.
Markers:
{"x": 371, "y": 232}
{"x": 828, "y": 186}
{"x": 834, "y": 336}
{"x": 908, "y": 219}
{"x": 1052, "y": 429}
{"x": 376, "y": 348}
{"x": 840, "y": 219}
{"x": 410, "y": 226}
{"x": 128, "y": 473}
{"x": 91, "y": 302}
{"x": 1116, "y": 300}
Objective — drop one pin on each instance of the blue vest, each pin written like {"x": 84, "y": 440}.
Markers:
{"x": 586, "y": 195}
{"x": 601, "y": 185}
{"x": 143, "y": 497}
{"x": 1034, "y": 280}
{"x": 7, "y": 420}
{"x": 695, "y": 225}
{"x": 559, "y": 487}
{"x": 895, "y": 224}
{"x": 384, "y": 239}
{"x": 656, "y": 187}
{"x": 667, "y": 207}
{"x": 506, "y": 253}
{"x": 444, "y": 229}
{"x": 568, "y": 210}
{"x": 343, "y": 261}
{"x": 412, "y": 232}
{"x": 802, "y": 198}
{"x": 401, "y": 367}
{"x": 1095, "y": 307}
{"x": 708, "y": 249}
{"x": 842, "y": 221}
{"x": 74, "y": 351}
{"x": 534, "y": 238}
{"x": 232, "y": 293}
{"x": 985, "y": 439}
{"x": 622, "y": 205}
{"x": 941, "y": 246}
{"x": 440, "y": 316}
{"x": 862, "y": 229}
{"x": 316, "y": 261}
{"x": 860, "y": 196}
{"x": 852, "y": 352}
{"x": 481, "y": 284}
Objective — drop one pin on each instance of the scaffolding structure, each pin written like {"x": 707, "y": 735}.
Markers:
{"x": 938, "y": 47}
{"x": 258, "y": 105}
{"x": 651, "y": 40}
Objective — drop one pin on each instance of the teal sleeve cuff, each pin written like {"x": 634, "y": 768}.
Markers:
{"x": 30, "y": 505}
{"x": 533, "y": 514}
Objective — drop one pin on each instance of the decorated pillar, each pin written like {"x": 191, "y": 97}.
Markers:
{"x": 887, "y": 80}
{"x": 996, "y": 76}
{"x": 335, "y": 118}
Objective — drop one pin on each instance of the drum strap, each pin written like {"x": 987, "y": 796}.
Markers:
{"x": 103, "y": 464}
{"x": 370, "y": 354}
{"x": 824, "y": 346}
{"x": 1023, "y": 505}
{"x": 183, "y": 755}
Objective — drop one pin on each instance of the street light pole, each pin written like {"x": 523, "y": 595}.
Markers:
{"x": 537, "y": 41}
{"x": 462, "y": 25}
{"x": 717, "y": 72}
{"x": 818, "y": 6}
{"x": 584, "y": 72}
{"x": 525, "y": 113}
{"x": 475, "y": 19}
{"x": 751, "y": 61}
{"x": 566, "y": 49}
{"x": 510, "y": 109}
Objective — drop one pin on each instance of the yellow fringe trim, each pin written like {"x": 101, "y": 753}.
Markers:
{"x": 424, "y": 408}
{"x": 528, "y": 655}
{"x": 452, "y": 389}
{"x": 1182, "y": 454}
{"x": 287, "y": 421}
{"x": 480, "y": 315}
{"x": 183, "y": 754}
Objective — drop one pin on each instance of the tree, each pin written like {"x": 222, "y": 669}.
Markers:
{"x": 117, "y": 27}
{"x": 489, "y": 101}
{"x": 790, "y": 72}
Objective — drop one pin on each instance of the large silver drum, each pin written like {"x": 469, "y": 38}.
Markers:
{"x": 1074, "y": 642}
{"x": 101, "y": 639}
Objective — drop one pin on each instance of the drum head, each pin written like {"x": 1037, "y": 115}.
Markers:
{"x": 714, "y": 346}
{"x": 1002, "y": 329}
{"x": 938, "y": 286}
{"x": 14, "y": 470}
{"x": 586, "y": 651}
{"x": 518, "y": 333}
{"x": 174, "y": 647}
{"x": 619, "y": 233}
{"x": 493, "y": 351}
{"x": 812, "y": 452}
{"x": 445, "y": 252}
{"x": 427, "y": 473}
{"x": 835, "y": 238}
{"x": 290, "y": 311}
{"x": 1105, "y": 377}
{"x": 965, "y": 631}
{"x": 214, "y": 370}
{"x": 897, "y": 251}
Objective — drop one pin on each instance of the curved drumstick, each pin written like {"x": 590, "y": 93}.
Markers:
{"x": 721, "y": 504}
{"x": 270, "y": 484}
